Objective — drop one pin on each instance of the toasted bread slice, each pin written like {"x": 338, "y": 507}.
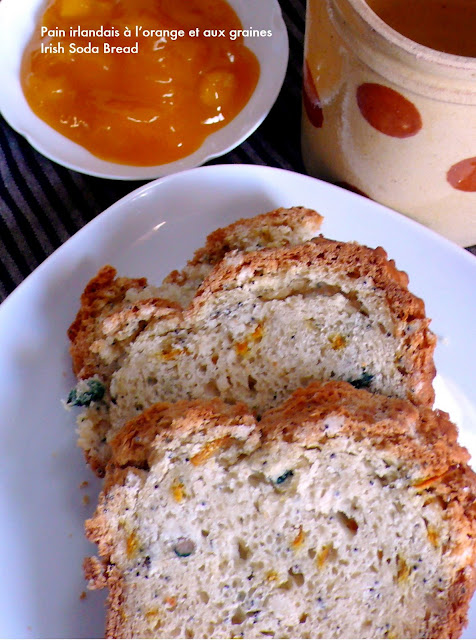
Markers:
{"x": 265, "y": 323}
{"x": 342, "y": 514}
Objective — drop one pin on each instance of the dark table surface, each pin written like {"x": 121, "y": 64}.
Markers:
{"x": 42, "y": 204}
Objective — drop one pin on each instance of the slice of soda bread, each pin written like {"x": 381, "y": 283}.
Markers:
{"x": 346, "y": 514}
{"x": 265, "y": 323}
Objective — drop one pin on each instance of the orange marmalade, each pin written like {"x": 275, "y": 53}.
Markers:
{"x": 139, "y": 82}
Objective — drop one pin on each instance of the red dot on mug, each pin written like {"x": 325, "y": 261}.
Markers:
{"x": 462, "y": 175}
{"x": 388, "y": 111}
{"x": 312, "y": 102}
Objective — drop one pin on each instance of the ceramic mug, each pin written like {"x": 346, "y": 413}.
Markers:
{"x": 390, "y": 118}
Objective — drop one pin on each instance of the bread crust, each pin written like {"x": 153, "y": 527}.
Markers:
{"x": 136, "y": 442}
{"x": 100, "y": 297}
{"x": 99, "y": 576}
{"x": 226, "y": 239}
{"x": 104, "y": 311}
{"x": 356, "y": 262}
{"x": 419, "y": 435}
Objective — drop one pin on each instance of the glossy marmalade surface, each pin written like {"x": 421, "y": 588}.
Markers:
{"x": 146, "y": 108}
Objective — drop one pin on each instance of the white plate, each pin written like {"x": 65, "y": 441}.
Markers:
{"x": 17, "y": 23}
{"x": 150, "y": 232}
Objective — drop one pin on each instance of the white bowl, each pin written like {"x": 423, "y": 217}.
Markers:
{"x": 17, "y": 23}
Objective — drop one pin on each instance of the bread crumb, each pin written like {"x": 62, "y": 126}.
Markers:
{"x": 86, "y": 499}
{"x": 84, "y": 484}
{"x": 83, "y": 595}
